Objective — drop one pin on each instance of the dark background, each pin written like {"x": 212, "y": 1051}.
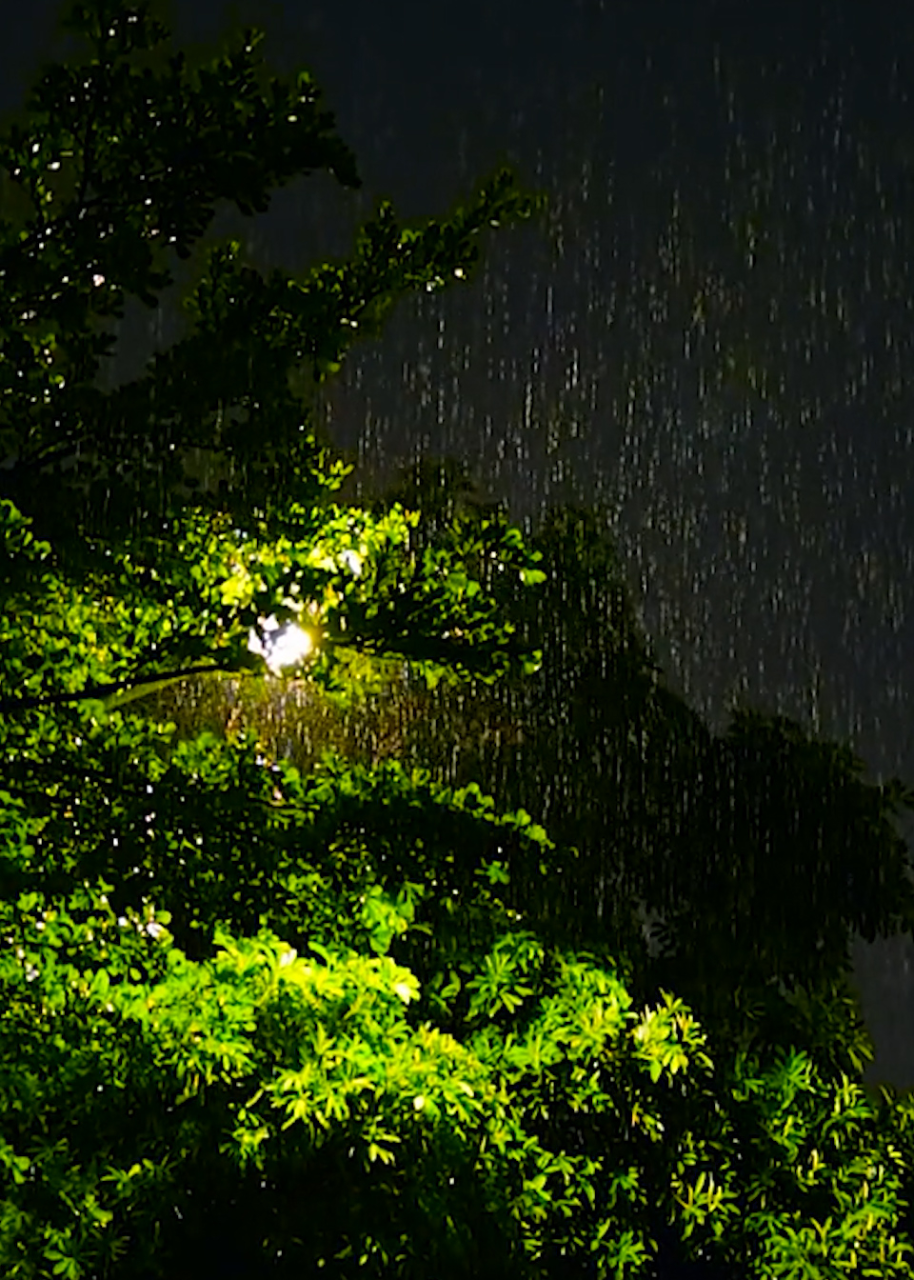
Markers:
{"x": 712, "y": 330}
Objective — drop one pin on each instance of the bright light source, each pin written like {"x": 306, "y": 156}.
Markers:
{"x": 353, "y": 562}
{"x": 283, "y": 644}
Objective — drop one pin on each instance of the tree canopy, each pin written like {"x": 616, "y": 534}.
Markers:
{"x": 263, "y": 1021}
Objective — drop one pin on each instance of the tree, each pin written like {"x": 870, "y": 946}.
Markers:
{"x": 261, "y": 1022}
{"x": 761, "y": 848}
{"x": 757, "y": 851}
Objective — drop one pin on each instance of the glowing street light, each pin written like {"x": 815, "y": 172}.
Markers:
{"x": 281, "y": 644}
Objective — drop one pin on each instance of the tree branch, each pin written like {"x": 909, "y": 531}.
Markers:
{"x": 97, "y": 691}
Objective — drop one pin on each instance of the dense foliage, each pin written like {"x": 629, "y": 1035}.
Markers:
{"x": 754, "y": 853}
{"x": 757, "y": 851}
{"x": 258, "y": 1020}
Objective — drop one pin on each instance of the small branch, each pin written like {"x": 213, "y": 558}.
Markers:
{"x": 47, "y": 453}
{"x": 87, "y": 148}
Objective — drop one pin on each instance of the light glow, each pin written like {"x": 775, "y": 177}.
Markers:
{"x": 353, "y": 562}
{"x": 280, "y": 644}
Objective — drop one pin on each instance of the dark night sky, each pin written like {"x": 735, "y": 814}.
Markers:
{"x": 713, "y": 330}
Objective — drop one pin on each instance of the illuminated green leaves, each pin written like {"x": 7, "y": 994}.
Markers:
{"x": 385, "y": 918}
{"x": 352, "y": 582}
{"x": 508, "y": 976}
